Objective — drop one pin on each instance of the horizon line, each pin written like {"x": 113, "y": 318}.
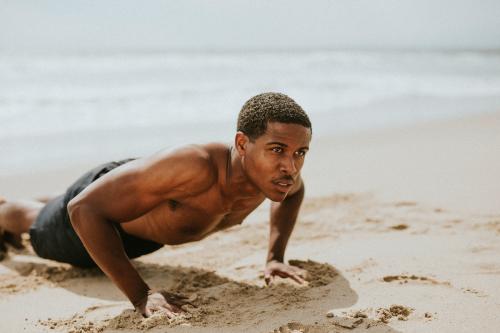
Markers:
{"x": 214, "y": 50}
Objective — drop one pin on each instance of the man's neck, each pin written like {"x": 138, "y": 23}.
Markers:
{"x": 238, "y": 185}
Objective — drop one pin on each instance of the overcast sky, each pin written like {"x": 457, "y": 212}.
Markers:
{"x": 251, "y": 24}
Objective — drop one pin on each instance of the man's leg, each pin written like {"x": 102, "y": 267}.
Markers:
{"x": 16, "y": 217}
{"x": 45, "y": 199}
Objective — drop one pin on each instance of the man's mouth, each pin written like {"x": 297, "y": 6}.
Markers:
{"x": 283, "y": 184}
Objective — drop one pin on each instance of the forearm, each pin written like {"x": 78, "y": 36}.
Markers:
{"x": 104, "y": 245}
{"x": 283, "y": 217}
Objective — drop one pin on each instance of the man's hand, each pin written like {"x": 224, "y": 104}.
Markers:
{"x": 282, "y": 270}
{"x": 162, "y": 301}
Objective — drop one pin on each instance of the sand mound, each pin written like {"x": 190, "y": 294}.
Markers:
{"x": 367, "y": 318}
{"x": 218, "y": 300}
{"x": 394, "y": 311}
{"x": 318, "y": 274}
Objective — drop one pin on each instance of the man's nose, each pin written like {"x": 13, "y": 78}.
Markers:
{"x": 288, "y": 166}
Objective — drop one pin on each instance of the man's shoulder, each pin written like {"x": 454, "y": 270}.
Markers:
{"x": 198, "y": 164}
{"x": 205, "y": 156}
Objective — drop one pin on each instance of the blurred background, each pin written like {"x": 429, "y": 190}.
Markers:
{"x": 83, "y": 82}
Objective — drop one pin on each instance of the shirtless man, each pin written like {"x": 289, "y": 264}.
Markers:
{"x": 125, "y": 209}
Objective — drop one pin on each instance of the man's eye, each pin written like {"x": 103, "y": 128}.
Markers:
{"x": 277, "y": 149}
{"x": 301, "y": 153}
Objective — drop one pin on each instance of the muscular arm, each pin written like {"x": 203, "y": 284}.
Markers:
{"x": 127, "y": 193}
{"x": 283, "y": 217}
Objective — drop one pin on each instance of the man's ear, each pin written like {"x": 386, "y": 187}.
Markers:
{"x": 241, "y": 142}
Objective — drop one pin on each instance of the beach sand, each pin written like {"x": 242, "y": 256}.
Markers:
{"x": 399, "y": 232}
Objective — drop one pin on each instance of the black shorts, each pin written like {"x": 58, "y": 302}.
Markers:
{"x": 53, "y": 237}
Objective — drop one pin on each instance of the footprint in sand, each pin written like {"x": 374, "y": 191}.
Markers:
{"x": 402, "y": 279}
{"x": 405, "y": 204}
{"x": 399, "y": 227}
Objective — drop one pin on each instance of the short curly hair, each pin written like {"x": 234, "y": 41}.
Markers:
{"x": 269, "y": 107}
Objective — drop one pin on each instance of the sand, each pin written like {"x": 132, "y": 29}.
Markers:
{"x": 399, "y": 232}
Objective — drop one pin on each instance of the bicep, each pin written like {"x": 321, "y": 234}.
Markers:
{"x": 119, "y": 195}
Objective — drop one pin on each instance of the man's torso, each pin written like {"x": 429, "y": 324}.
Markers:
{"x": 193, "y": 217}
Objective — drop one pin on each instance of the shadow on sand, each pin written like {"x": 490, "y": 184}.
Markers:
{"x": 222, "y": 304}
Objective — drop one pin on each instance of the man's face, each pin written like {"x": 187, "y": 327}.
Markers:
{"x": 274, "y": 160}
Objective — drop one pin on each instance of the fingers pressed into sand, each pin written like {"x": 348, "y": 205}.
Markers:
{"x": 147, "y": 313}
{"x": 299, "y": 273}
{"x": 268, "y": 278}
{"x": 176, "y": 300}
{"x": 292, "y": 274}
{"x": 302, "y": 273}
{"x": 297, "y": 278}
{"x": 168, "y": 313}
{"x": 159, "y": 309}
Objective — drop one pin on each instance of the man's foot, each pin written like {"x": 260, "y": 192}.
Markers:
{"x": 8, "y": 238}
{"x": 3, "y": 248}
{"x": 15, "y": 240}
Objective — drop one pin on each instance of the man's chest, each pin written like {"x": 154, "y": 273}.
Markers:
{"x": 191, "y": 218}
{"x": 202, "y": 216}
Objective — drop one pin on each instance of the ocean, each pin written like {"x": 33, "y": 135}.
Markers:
{"x": 62, "y": 109}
